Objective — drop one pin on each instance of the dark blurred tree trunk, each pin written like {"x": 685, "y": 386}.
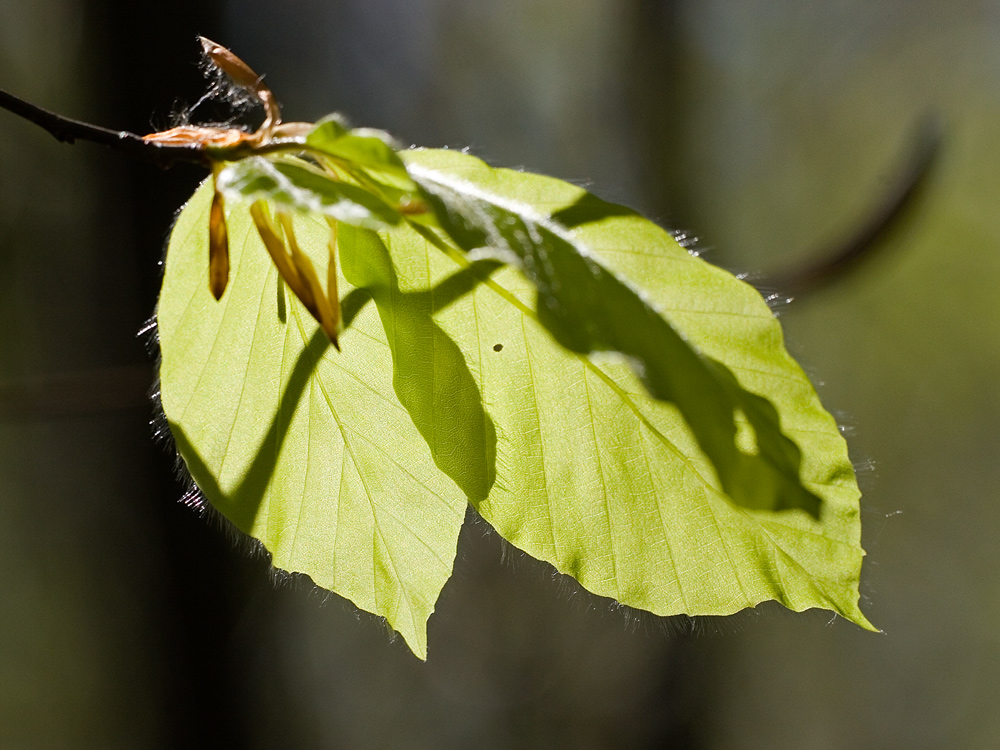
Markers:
{"x": 148, "y": 58}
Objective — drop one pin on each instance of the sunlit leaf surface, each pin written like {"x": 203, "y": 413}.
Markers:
{"x": 305, "y": 449}
{"x": 589, "y": 308}
{"x": 354, "y": 467}
{"x": 303, "y": 188}
{"x": 609, "y": 484}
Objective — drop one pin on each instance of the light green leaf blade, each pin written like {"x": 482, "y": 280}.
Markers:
{"x": 571, "y": 459}
{"x": 609, "y": 484}
{"x": 309, "y": 450}
{"x": 589, "y": 308}
{"x": 364, "y": 147}
{"x": 369, "y": 156}
{"x": 295, "y": 185}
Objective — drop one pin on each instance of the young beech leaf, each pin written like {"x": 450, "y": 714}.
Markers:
{"x": 368, "y": 156}
{"x": 362, "y": 147}
{"x": 295, "y": 185}
{"x": 608, "y": 484}
{"x": 587, "y": 307}
{"x": 461, "y": 379}
{"x": 306, "y": 449}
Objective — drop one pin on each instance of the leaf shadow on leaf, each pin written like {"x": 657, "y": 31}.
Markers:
{"x": 708, "y": 395}
{"x": 243, "y": 502}
{"x": 589, "y": 208}
{"x": 737, "y": 468}
{"x": 430, "y": 375}
{"x": 588, "y": 308}
{"x": 430, "y": 378}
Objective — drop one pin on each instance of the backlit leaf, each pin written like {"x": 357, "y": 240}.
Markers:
{"x": 309, "y": 450}
{"x": 464, "y": 379}
{"x": 300, "y": 187}
{"x": 589, "y": 308}
{"x": 611, "y": 485}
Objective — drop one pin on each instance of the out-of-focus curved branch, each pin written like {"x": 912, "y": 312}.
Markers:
{"x": 870, "y": 236}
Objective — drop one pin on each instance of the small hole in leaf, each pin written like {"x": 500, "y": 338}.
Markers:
{"x": 497, "y": 347}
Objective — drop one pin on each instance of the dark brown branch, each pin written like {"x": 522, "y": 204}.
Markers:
{"x": 871, "y": 234}
{"x": 69, "y": 131}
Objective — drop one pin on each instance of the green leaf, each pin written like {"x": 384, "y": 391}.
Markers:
{"x": 362, "y": 147}
{"x": 294, "y": 185}
{"x": 368, "y": 156}
{"x": 310, "y": 451}
{"x": 603, "y": 481}
{"x": 354, "y": 467}
{"x": 589, "y": 308}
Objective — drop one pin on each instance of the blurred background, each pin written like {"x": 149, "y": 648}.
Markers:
{"x": 768, "y": 128}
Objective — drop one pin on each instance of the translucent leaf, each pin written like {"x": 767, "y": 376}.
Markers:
{"x": 310, "y": 451}
{"x": 354, "y": 467}
{"x": 364, "y": 147}
{"x": 611, "y": 485}
{"x": 589, "y": 308}
{"x": 293, "y": 185}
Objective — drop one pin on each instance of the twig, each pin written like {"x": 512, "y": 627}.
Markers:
{"x": 870, "y": 235}
{"x": 68, "y": 130}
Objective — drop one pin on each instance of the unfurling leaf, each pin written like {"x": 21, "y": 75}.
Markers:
{"x": 299, "y": 187}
